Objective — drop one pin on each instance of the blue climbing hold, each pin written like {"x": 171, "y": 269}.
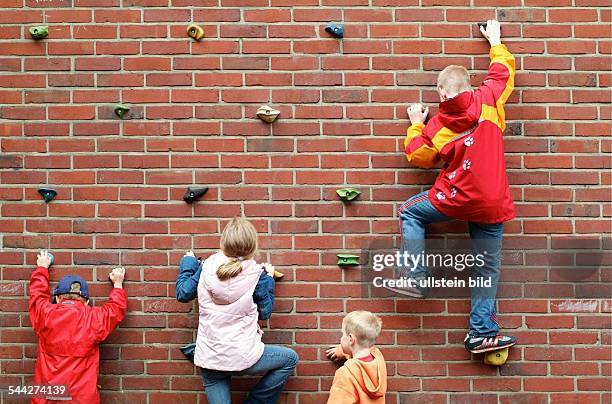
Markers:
{"x": 336, "y": 30}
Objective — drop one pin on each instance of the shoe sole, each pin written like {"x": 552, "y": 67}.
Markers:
{"x": 416, "y": 294}
{"x": 495, "y": 348}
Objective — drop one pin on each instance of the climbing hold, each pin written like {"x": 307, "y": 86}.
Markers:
{"x": 482, "y": 24}
{"x": 267, "y": 114}
{"x": 52, "y": 258}
{"x": 348, "y": 259}
{"x": 348, "y": 194}
{"x": 195, "y": 31}
{"x": 39, "y": 32}
{"x": 193, "y": 194}
{"x": 496, "y": 358}
{"x": 121, "y": 110}
{"x": 336, "y": 30}
{"x": 47, "y": 193}
{"x": 278, "y": 275}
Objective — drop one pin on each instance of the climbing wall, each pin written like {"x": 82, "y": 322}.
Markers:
{"x": 342, "y": 101}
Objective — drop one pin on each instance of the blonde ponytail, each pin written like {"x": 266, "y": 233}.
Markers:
{"x": 228, "y": 270}
{"x": 238, "y": 242}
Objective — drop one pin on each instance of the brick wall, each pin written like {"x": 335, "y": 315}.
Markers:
{"x": 342, "y": 122}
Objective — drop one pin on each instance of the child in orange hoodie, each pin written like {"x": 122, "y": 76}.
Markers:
{"x": 363, "y": 378}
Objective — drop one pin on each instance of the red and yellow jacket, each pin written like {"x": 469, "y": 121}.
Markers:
{"x": 69, "y": 335}
{"x": 467, "y": 136}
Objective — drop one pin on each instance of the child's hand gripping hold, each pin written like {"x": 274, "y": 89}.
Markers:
{"x": 334, "y": 353}
{"x": 269, "y": 268}
{"x": 43, "y": 259}
{"x": 417, "y": 113}
{"x": 116, "y": 276}
{"x": 492, "y": 32}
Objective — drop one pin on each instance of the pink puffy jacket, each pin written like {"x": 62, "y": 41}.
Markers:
{"x": 229, "y": 337}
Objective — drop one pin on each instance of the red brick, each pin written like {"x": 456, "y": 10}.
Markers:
{"x": 549, "y": 384}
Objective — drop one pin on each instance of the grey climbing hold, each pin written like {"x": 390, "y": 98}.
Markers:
{"x": 267, "y": 114}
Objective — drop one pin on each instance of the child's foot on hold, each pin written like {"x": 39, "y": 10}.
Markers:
{"x": 485, "y": 344}
{"x": 411, "y": 291}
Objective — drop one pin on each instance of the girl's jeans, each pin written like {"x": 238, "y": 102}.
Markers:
{"x": 418, "y": 211}
{"x": 276, "y": 363}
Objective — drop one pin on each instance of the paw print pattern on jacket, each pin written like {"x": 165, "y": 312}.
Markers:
{"x": 440, "y": 196}
{"x": 452, "y": 175}
{"x": 468, "y": 141}
{"x": 453, "y": 192}
{"x": 466, "y": 164}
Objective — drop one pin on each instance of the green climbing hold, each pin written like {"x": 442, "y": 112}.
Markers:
{"x": 348, "y": 194}
{"x": 39, "y": 32}
{"x": 47, "y": 193}
{"x": 348, "y": 259}
{"x": 121, "y": 110}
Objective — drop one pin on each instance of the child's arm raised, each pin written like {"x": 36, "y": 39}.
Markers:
{"x": 264, "y": 292}
{"x": 106, "y": 318}
{"x": 188, "y": 278}
{"x": 500, "y": 78}
{"x": 39, "y": 290}
{"x": 419, "y": 149}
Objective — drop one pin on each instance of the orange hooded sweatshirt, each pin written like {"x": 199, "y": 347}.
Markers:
{"x": 358, "y": 381}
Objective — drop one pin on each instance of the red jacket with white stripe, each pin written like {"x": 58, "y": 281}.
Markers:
{"x": 69, "y": 335}
{"x": 466, "y": 135}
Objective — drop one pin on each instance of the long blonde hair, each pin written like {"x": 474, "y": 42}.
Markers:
{"x": 238, "y": 242}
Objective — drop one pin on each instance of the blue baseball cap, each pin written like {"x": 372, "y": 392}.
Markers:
{"x": 66, "y": 282}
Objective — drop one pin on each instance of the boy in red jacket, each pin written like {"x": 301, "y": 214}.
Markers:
{"x": 466, "y": 136}
{"x": 70, "y": 331}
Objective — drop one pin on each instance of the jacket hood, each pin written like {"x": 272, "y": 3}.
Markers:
{"x": 371, "y": 376}
{"x": 230, "y": 290}
{"x": 459, "y": 113}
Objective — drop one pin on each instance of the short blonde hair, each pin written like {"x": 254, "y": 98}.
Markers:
{"x": 364, "y": 325}
{"x": 238, "y": 242}
{"x": 454, "y": 79}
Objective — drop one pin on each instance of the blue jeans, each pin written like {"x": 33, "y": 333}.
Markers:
{"x": 276, "y": 363}
{"x": 418, "y": 211}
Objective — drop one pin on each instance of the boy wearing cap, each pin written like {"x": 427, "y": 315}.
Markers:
{"x": 70, "y": 331}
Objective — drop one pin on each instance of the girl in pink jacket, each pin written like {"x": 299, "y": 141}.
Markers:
{"x": 229, "y": 338}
